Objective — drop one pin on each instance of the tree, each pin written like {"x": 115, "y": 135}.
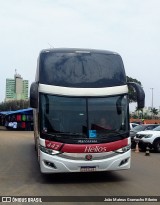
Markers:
{"x": 140, "y": 112}
{"x": 132, "y": 93}
{"x": 154, "y": 111}
{"x": 146, "y": 116}
{"x": 14, "y": 105}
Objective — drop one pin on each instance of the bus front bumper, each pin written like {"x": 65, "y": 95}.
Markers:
{"x": 57, "y": 164}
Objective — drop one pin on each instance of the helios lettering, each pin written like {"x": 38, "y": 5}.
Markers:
{"x": 90, "y": 149}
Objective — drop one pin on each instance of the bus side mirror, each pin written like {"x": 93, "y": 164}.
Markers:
{"x": 34, "y": 95}
{"x": 140, "y": 94}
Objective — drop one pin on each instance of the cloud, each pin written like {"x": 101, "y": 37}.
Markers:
{"x": 128, "y": 27}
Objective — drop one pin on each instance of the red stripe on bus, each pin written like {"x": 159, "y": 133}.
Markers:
{"x": 87, "y": 148}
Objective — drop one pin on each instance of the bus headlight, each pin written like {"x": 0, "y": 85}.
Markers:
{"x": 48, "y": 151}
{"x": 123, "y": 149}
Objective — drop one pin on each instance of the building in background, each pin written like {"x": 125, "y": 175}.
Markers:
{"x": 17, "y": 88}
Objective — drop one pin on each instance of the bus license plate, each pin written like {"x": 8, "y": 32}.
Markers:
{"x": 88, "y": 169}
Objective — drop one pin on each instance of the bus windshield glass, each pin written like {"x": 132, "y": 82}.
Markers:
{"x": 86, "y": 70}
{"x": 77, "y": 117}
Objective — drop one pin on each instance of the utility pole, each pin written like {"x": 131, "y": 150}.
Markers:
{"x": 152, "y": 101}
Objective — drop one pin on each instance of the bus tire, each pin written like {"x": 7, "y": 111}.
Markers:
{"x": 38, "y": 155}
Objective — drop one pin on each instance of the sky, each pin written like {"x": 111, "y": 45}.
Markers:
{"x": 131, "y": 28}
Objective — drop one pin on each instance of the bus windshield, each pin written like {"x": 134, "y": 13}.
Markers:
{"x": 87, "y": 70}
{"x": 79, "y": 117}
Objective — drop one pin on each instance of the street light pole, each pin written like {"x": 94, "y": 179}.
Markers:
{"x": 152, "y": 101}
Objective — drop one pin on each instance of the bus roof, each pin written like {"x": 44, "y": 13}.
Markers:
{"x": 78, "y": 50}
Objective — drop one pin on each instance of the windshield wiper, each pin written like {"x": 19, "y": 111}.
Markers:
{"x": 65, "y": 134}
{"x": 113, "y": 133}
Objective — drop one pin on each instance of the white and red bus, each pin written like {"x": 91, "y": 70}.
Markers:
{"x": 73, "y": 90}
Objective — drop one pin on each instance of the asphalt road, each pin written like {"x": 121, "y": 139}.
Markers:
{"x": 20, "y": 175}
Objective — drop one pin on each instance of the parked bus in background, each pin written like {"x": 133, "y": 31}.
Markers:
{"x": 73, "y": 90}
